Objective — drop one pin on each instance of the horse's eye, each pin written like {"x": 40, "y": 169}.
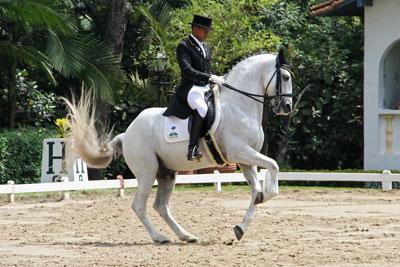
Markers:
{"x": 286, "y": 77}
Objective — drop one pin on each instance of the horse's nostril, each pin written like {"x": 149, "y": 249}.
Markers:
{"x": 288, "y": 107}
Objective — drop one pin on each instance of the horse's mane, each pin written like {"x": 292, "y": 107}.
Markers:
{"x": 244, "y": 58}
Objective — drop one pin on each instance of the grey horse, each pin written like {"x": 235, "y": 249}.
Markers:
{"x": 239, "y": 135}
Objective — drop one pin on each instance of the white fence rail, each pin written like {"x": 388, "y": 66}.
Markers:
{"x": 386, "y": 178}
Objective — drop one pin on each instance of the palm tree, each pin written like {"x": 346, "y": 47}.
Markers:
{"x": 68, "y": 52}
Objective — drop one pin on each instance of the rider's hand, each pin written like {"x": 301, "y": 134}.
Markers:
{"x": 219, "y": 80}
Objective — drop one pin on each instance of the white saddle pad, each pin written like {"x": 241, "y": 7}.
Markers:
{"x": 176, "y": 130}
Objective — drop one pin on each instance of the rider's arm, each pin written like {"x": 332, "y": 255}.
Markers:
{"x": 185, "y": 64}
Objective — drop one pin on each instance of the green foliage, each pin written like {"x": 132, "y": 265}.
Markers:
{"x": 237, "y": 31}
{"x": 327, "y": 57}
{"x": 21, "y": 154}
{"x": 44, "y": 34}
{"x": 34, "y": 106}
{"x": 131, "y": 100}
{"x": 85, "y": 58}
{"x": 4, "y": 154}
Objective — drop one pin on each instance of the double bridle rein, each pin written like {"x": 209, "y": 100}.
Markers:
{"x": 278, "y": 92}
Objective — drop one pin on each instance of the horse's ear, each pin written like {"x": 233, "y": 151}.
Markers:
{"x": 281, "y": 59}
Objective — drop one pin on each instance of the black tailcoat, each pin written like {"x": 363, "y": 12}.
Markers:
{"x": 195, "y": 70}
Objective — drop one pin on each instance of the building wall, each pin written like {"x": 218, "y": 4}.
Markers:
{"x": 381, "y": 124}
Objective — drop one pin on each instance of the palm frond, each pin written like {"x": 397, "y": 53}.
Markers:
{"x": 158, "y": 22}
{"x": 29, "y": 56}
{"x": 65, "y": 54}
{"x": 37, "y": 13}
{"x": 86, "y": 58}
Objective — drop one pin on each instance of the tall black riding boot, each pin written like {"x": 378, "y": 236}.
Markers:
{"x": 197, "y": 125}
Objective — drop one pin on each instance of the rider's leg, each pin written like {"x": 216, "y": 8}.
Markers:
{"x": 197, "y": 103}
{"x": 196, "y": 100}
{"x": 197, "y": 125}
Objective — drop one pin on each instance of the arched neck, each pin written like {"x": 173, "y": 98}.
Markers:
{"x": 248, "y": 76}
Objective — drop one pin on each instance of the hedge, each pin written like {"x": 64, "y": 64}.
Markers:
{"x": 21, "y": 154}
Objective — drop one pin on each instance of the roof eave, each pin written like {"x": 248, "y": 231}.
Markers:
{"x": 340, "y": 8}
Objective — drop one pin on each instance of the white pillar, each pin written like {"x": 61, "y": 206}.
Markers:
{"x": 11, "y": 196}
{"x": 217, "y": 185}
{"x": 65, "y": 195}
{"x": 386, "y": 180}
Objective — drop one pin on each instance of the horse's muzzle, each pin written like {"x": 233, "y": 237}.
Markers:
{"x": 287, "y": 107}
{"x": 282, "y": 107}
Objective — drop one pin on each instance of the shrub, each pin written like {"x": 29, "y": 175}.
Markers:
{"x": 3, "y": 156}
{"x": 21, "y": 154}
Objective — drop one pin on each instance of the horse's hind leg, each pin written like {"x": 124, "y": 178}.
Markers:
{"x": 145, "y": 178}
{"x": 166, "y": 185}
{"x": 250, "y": 173}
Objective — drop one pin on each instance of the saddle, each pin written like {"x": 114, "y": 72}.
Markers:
{"x": 178, "y": 130}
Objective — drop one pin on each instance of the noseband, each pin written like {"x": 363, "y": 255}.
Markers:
{"x": 278, "y": 89}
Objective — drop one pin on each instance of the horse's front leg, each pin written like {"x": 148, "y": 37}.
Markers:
{"x": 251, "y": 157}
{"x": 271, "y": 185}
{"x": 250, "y": 173}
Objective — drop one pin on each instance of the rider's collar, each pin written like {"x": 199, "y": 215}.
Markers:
{"x": 197, "y": 41}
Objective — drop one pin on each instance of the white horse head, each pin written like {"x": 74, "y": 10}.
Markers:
{"x": 280, "y": 92}
{"x": 239, "y": 135}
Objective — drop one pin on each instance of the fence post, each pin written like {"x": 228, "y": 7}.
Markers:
{"x": 11, "y": 196}
{"x": 217, "y": 185}
{"x": 121, "y": 190}
{"x": 65, "y": 194}
{"x": 386, "y": 180}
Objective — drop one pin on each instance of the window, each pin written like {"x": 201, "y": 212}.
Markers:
{"x": 391, "y": 78}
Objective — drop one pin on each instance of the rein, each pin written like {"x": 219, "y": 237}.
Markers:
{"x": 278, "y": 93}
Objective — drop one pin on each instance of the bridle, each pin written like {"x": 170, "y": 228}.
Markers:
{"x": 278, "y": 92}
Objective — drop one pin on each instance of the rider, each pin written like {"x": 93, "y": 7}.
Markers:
{"x": 194, "y": 58}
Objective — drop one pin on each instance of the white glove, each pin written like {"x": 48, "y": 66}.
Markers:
{"x": 219, "y": 80}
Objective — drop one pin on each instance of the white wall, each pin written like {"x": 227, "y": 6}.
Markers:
{"x": 382, "y": 31}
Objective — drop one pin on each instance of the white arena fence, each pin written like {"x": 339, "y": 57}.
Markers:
{"x": 386, "y": 178}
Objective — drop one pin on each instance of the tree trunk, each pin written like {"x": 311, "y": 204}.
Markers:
{"x": 115, "y": 31}
{"x": 114, "y": 37}
{"x": 12, "y": 95}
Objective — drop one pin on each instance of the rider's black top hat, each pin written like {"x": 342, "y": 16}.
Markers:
{"x": 202, "y": 21}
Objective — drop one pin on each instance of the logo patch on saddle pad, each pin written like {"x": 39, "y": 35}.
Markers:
{"x": 175, "y": 129}
{"x": 173, "y": 134}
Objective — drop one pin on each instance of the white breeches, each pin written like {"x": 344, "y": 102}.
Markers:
{"x": 196, "y": 100}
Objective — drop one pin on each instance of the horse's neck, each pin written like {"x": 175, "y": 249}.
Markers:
{"x": 249, "y": 78}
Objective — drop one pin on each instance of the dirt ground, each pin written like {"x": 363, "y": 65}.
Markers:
{"x": 297, "y": 228}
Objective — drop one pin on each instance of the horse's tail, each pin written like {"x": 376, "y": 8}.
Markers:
{"x": 95, "y": 148}
{"x": 116, "y": 144}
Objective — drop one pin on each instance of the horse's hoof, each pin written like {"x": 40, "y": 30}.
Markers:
{"x": 259, "y": 198}
{"x": 162, "y": 240}
{"x": 193, "y": 240}
{"x": 238, "y": 232}
{"x": 269, "y": 195}
{"x": 190, "y": 239}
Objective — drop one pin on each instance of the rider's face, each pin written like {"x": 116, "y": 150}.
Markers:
{"x": 200, "y": 33}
